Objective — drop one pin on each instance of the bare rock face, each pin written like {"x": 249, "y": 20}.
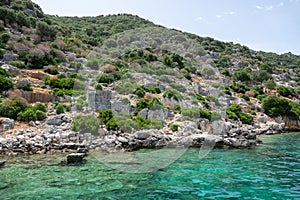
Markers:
{"x": 36, "y": 96}
{"x": 13, "y": 70}
{"x": 100, "y": 99}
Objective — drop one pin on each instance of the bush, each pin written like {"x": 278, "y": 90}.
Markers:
{"x": 5, "y": 37}
{"x": 86, "y": 124}
{"x": 190, "y": 113}
{"x": 41, "y": 107}
{"x": 8, "y": 111}
{"x": 246, "y": 97}
{"x": 24, "y": 86}
{"x": 28, "y": 115}
{"x": 60, "y": 109}
{"x": 205, "y": 114}
{"x": 261, "y": 75}
{"x": 173, "y": 94}
{"x": 235, "y": 112}
{"x": 40, "y": 115}
{"x": 239, "y": 88}
{"x": 106, "y": 115}
{"x": 174, "y": 127}
{"x": 270, "y": 84}
{"x": 5, "y": 84}
{"x": 241, "y": 75}
{"x": 283, "y": 91}
{"x": 18, "y": 64}
{"x": 275, "y": 106}
{"x": 51, "y": 70}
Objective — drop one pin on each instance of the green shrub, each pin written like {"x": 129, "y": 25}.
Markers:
{"x": 51, "y": 70}
{"x": 245, "y": 118}
{"x": 28, "y": 115}
{"x": 190, "y": 113}
{"x": 142, "y": 104}
{"x": 205, "y": 114}
{"x": 47, "y": 80}
{"x": 241, "y": 75}
{"x": 112, "y": 124}
{"x": 25, "y": 87}
{"x": 239, "y": 88}
{"x": 246, "y": 97}
{"x": 283, "y": 91}
{"x": 60, "y": 109}
{"x": 177, "y": 109}
{"x": 40, "y": 106}
{"x": 40, "y": 115}
{"x": 106, "y": 115}
{"x": 86, "y": 124}
{"x": 261, "y": 75}
{"x": 18, "y": 64}
{"x": 173, "y": 94}
{"x": 174, "y": 127}
{"x": 108, "y": 79}
{"x": 98, "y": 86}
{"x": 270, "y": 84}
{"x": 8, "y": 111}
{"x": 235, "y": 112}
{"x": 5, "y": 84}
{"x": 275, "y": 106}
{"x": 4, "y": 37}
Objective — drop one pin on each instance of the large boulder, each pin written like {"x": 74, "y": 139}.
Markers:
{"x": 13, "y": 70}
{"x": 7, "y": 124}
{"x": 100, "y": 99}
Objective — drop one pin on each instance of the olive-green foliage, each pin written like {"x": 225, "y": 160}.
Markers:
{"x": 283, "y": 91}
{"x": 222, "y": 62}
{"x": 190, "y": 113}
{"x": 260, "y": 76}
{"x": 173, "y": 94}
{"x": 258, "y": 90}
{"x": 51, "y": 70}
{"x": 59, "y": 109}
{"x": 275, "y": 106}
{"x": 93, "y": 63}
{"x": 40, "y": 115}
{"x": 18, "y": 64}
{"x": 141, "y": 91}
{"x": 267, "y": 67}
{"x": 4, "y": 37}
{"x": 179, "y": 87}
{"x": 239, "y": 87}
{"x": 40, "y": 106}
{"x": 81, "y": 103}
{"x": 106, "y": 115}
{"x": 126, "y": 87}
{"x": 106, "y": 78}
{"x": 28, "y": 115}
{"x": 246, "y": 97}
{"x": 45, "y": 31}
{"x": 153, "y": 104}
{"x": 241, "y": 75}
{"x": 26, "y": 86}
{"x": 270, "y": 84}
{"x": 235, "y": 112}
{"x": 47, "y": 80}
{"x": 5, "y": 84}
{"x": 203, "y": 100}
{"x": 9, "y": 111}
{"x": 86, "y": 124}
{"x": 174, "y": 127}
{"x": 5, "y": 73}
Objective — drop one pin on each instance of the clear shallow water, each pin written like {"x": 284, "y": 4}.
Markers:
{"x": 270, "y": 171}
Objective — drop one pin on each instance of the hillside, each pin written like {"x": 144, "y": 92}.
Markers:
{"x": 119, "y": 82}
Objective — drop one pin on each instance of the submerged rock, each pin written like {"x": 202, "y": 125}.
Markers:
{"x": 2, "y": 163}
{"x": 75, "y": 158}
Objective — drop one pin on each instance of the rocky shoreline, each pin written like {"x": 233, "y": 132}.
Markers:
{"x": 55, "y": 135}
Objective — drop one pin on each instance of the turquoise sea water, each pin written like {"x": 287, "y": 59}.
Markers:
{"x": 270, "y": 171}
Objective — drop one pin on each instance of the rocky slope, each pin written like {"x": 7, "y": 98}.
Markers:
{"x": 98, "y": 85}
